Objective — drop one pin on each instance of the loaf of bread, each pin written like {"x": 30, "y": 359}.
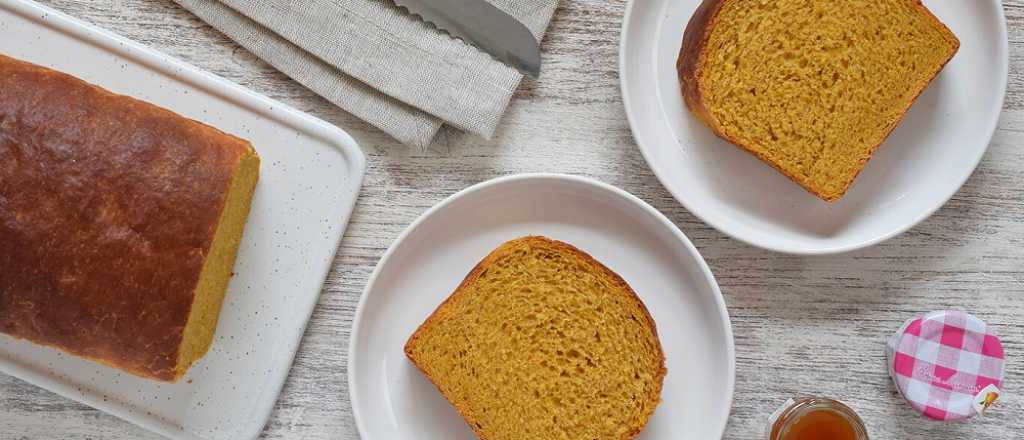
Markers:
{"x": 119, "y": 222}
{"x": 540, "y": 342}
{"x": 810, "y": 87}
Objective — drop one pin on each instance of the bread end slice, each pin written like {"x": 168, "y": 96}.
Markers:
{"x": 844, "y": 136}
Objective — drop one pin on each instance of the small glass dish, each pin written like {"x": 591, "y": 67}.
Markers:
{"x": 809, "y": 418}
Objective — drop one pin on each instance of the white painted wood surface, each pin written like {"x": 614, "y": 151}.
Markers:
{"x": 802, "y": 325}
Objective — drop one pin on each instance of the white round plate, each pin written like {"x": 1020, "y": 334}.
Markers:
{"x": 925, "y": 161}
{"x": 391, "y": 400}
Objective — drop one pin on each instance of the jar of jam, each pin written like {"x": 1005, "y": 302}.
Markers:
{"x": 815, "y": 418}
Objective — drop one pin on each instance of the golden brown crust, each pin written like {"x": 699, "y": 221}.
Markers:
{"x": 691, "y": 62}
{"x": 478, "y": 271}
{"x": 430, "y": 322}
{"x": 108, "y": 206}
{"x": 689, "y": 67}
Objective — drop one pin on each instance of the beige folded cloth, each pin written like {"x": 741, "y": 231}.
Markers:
{"x": 377, "y": 62}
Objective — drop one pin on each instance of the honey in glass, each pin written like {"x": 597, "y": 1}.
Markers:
{"x": 816, "y": 418}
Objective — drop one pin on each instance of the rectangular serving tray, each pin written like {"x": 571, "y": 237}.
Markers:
{"x": 310, "y": 176}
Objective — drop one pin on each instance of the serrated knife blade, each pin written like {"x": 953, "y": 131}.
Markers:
{"x": 481, "y": 24}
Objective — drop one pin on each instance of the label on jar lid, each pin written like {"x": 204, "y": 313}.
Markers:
{"x": 948, "y": 365}
{"x": 985, "y": 399}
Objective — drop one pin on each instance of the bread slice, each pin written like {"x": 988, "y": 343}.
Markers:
{"x": 541, "y": 341}
{"x": 812, "y": 87}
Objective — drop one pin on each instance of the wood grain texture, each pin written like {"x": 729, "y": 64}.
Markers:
{"x": 814, "y": 325}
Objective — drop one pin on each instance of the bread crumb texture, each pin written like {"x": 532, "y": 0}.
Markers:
{"x": 543, "y": 342}
{"x": 814, "y": 86}
{"x": 219, "y": 264}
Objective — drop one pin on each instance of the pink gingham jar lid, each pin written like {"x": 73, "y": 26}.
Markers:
{"x": 948, "y": 365}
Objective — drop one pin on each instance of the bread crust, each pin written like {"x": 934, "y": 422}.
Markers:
{"x": 475, "y": 274}
{"x": 691, "y": 62}
{"x": 108, "y": 207}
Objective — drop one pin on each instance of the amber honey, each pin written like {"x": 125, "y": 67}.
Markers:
{"x": 815, "y": 418}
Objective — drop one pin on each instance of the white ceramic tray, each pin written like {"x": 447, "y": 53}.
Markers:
{"x": 391, "y": 400}
{"x": 309, "y": 179}
{"x": 924, "y": 162}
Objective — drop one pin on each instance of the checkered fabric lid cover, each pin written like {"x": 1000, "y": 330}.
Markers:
{"x": 942, "y": 362}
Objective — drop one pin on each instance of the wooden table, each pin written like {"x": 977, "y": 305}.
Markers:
{"x": 802, "y": 324}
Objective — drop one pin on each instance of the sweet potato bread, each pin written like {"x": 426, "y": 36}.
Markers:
{"x": 119, "y": 222}
{"x": 540, "y": 342}
{"x": 811, "y": 87}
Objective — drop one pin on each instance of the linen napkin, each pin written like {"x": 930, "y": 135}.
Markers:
{"x": 377, "y": 61}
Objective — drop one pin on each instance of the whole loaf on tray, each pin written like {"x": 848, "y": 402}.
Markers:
{"x": 119, "y": 222}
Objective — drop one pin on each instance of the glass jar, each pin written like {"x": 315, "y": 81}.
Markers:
{"x": 815, "y": 418}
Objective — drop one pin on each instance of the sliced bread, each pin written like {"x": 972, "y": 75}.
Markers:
{"x": 540, "y": 342}
{"x": 812, "y": 87}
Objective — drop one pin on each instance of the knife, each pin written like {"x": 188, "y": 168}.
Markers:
{"x": 479, "y": 23}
